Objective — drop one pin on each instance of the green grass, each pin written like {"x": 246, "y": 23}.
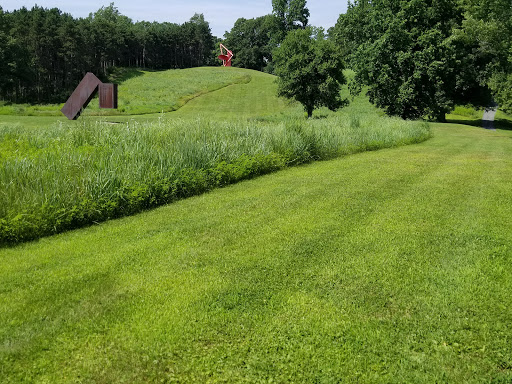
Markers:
{"x": 390, "y": 266}
{"x": 503, "y": 120}
{"x": 255, "y": 99}
{"x": 470, "y": 116}
{"x": 35, "y": 122}
{"x": 166, "y": 91}
{"x": 386, "y": 266}
{"x": 468, "y": 112}
{"x": 467, "y": 115}
{"x": 145, "y": 92}
{"x": 76, "y": 173}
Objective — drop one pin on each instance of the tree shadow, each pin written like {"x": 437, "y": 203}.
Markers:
{"x": 503, "y": 124}
{"x": 120, "y": 75}
{"x": 471, "y": 122}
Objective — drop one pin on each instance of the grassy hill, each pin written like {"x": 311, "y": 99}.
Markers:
{"x": 211, "y": 92}
{"x": 76, "y": 173}
{"x": 145, "y": 92}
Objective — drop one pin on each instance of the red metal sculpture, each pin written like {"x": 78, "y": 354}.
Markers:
{"x": 84, "y": 93}
{"x": 225, "y": 55}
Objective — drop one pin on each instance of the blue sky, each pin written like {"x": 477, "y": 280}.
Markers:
{"x": 221, "y": 14}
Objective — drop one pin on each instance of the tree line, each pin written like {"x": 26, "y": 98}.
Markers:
{"x": 415, "y": 58}
{"x": 44, "y": 53}
{"x": 254, "y": 40}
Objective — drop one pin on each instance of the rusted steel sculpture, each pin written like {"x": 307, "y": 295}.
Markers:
{"x": 84, "y": 93}
{"x": 108, "y": 96}
{"x": 225, "y": 55}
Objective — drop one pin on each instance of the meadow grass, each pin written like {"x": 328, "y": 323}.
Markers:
{"x": 73, "y": 174}
{"x": 390, "y": 266}
{"x": 471, "y": 116}
{"x": 468, "y": 111}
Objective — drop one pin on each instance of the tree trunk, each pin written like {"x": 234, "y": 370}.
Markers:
{"x": 441, "y": 117}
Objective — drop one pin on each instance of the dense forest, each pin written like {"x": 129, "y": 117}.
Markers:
{"x": 44, "y": 53}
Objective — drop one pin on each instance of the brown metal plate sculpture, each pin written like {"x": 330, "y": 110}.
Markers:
{"x": 84, "y": 93}
{"x": 108, "y": 96}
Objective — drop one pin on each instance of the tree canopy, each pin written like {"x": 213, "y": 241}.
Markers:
{"x": 252, "y": 41}
{"x": 309, "y": 70}
{"x": 292, "y": 14}
{"x": 402, "y": 51}
{"x": 487, "y": 29}
{"x": 420, "y": 57}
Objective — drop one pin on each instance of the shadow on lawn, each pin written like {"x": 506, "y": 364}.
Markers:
{"x": 503, "y": 124}
{"x": 498, "y": 123}
{"x": 471, "y": 122}
{"x": 120, "y": 75}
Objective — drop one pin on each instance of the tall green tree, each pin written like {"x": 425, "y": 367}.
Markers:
{"x": 252, "y": 41}
{"x": 109, "y": 33}
{"x": 364, "y": 21}
{"x": 487, "y": 29}
{"x": 309, "y": 70}
{"x": 203, "y": 40}
{"x": 5, "y": 56}
{"x": 408, "y": 58}
{"x": 292, "y": 14}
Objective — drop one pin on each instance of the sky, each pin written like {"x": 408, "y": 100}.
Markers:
{"x": 221, "y": 14}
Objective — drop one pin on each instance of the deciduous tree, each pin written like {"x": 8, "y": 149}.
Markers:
{"x": 292, "y": 14}
{"x": 408, "y": 57}
{"x": 252, "y": 41}
{"x": 310, "y": 70}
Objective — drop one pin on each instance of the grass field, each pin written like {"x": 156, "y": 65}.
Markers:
{"x": 471, "y": 116}
{"x": 73, "y": 174}
{"x": 390, "y": 266}
{"x": 386, "y": 266}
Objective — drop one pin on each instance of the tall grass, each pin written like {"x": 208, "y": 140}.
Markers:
{"x": 77, "y": 174}
{"x": 467, "y": 111}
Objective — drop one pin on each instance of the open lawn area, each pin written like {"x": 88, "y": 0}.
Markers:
{"x": 389, "y": 266}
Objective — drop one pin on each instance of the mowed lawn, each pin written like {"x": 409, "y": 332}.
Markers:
{"x": 256, "y": 98}
{"x": 389, "y": 266}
